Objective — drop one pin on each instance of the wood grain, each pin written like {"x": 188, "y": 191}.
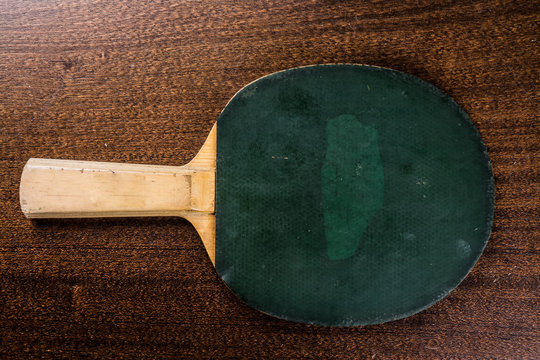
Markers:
{"x": 143, "y": 82}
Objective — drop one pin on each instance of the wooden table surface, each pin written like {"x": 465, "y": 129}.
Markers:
{"x": 143, "y": 82}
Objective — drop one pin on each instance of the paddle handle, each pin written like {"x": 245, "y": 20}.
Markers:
{"x": 80, "y": 189}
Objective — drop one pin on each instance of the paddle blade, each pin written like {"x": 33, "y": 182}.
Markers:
{"x": 348, "y": 195}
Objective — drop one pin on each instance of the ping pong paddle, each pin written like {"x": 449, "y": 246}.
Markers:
{"x": 337, "y": 195}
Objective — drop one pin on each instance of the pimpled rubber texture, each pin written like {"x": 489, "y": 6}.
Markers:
{"x": 348, "y": 195}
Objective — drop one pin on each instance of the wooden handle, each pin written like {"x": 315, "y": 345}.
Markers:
{"x": 76, "y": 189}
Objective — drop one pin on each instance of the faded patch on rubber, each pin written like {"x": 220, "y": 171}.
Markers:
{"x": 352, "y": 183}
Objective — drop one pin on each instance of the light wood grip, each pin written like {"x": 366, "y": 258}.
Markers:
{"x": 77, "y": 189}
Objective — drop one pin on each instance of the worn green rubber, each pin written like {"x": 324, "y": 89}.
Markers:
{"x": 348, "y": 195}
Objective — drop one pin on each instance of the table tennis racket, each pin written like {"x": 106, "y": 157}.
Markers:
{"x": 337, "y": 195}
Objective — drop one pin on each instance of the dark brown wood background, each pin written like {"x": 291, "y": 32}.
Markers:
{"x": 143, "y": 82}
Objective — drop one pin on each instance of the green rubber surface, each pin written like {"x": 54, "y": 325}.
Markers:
{"x": 348, "y": 195}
